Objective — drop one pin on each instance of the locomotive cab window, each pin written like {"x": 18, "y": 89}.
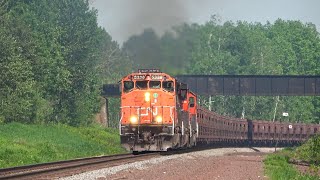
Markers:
{"x": 168, "y": 85}
{"x": 142, "y": 84}
{"x": 155, "y": 84}
{"x": 128, "y": 86}
{"x": 183, "y": 94}
{"x": 191, "y": 101}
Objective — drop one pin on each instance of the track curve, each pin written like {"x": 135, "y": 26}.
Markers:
{"x": 69, "y": 166}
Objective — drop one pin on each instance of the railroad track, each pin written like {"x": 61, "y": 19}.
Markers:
{"x": 69, "y": 167}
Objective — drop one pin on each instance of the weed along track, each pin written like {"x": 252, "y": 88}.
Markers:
{"x": 70, "y": 167}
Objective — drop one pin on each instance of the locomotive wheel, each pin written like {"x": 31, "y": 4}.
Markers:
{"x": 176, "y": 140}
{"x": 186, "y": 138}
{"x": 159, "y": 141}
{"x": 193, "y": 139}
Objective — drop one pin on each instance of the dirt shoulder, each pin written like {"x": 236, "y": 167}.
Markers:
{"x": 222, "y": 163}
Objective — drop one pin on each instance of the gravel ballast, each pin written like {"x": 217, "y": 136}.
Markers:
{"x": 221, "y": 163}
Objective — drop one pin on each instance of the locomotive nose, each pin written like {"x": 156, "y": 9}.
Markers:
{"x": 143, "y": 104}
{"x": 148, "y": 108}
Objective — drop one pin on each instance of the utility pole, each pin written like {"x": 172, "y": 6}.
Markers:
{"x": 243, "y": 108}
{"x": 275, "y": 109}
{"x": 210, "y": 103}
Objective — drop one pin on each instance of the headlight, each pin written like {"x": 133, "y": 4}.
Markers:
{"x": 147, "y": 96}
{"x": 159, "y": 119}
{"x": 133, "y": 120}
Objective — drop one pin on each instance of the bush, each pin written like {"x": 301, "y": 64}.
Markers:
{"x": 277, "y": 167}
{"x": 310, "y": 151}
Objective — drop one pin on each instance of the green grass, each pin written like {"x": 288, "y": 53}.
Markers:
{"x": 277, "y": 167}
{"x": 29, "y": 144}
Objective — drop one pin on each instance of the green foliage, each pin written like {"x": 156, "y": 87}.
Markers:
{"x": 16, "y": 84}
{"x": 29, "y": 144}
{"x": 114, "y": 63}
{"x": 277, "y": 167}
{"x": 310, "y": 151}
{"x": 282, "y": 48}
{"x": 242, "y": 48}
{"x": 53, "y": 57}
{"x": 114, "y": 114}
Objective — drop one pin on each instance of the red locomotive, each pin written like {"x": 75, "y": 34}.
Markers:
{"x": 159, "y": 113}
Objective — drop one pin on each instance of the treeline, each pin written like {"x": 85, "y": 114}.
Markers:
{"x": 281, "y": 48}
{"x": 54, "y": 59}
{"x": 241, "y": 48}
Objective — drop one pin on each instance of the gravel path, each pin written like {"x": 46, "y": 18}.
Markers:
{"x": 222, "y": 163}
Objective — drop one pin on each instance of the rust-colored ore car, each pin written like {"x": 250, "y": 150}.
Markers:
{"x": 159, "y": 113}
{"x": 222, "y": 130}
{"x": 282, "y": 133}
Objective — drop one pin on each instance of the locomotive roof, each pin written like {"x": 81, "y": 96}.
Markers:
{"x": 156, "y": 72}
{"x": 152, "y": 72}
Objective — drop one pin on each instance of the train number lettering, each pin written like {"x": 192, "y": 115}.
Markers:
{"x": 138, "y": 77}
{"x": 156, "y": 77}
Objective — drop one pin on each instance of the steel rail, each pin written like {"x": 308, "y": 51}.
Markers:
{"x": 41, "y": 169}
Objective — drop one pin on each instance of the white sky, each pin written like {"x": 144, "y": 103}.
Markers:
{"x": 123, "y": 18}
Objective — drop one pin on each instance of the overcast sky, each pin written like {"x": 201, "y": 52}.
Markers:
{"x": 123, "y": 18}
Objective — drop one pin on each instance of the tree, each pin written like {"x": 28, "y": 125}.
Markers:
{"x": 17, "y": 86}
{"x": 51, "y": 59}
{"x": 285, "y": 47}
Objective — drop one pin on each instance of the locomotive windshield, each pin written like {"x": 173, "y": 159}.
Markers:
{"x": 168, "y": 85}
{"x": 128, "y": 86}
{"x": 155, "y": 84}
{"x": 142, "y": 84}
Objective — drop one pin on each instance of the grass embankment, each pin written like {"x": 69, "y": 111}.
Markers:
{"x": 29, "y": 144}
{"x": 278, "y": 166}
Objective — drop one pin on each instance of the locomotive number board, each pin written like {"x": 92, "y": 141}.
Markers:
{"x": 156, "y": 77}
{"x": 135, "y": 77}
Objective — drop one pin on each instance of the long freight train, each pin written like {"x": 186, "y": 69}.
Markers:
{"x": 159, "y": 113}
